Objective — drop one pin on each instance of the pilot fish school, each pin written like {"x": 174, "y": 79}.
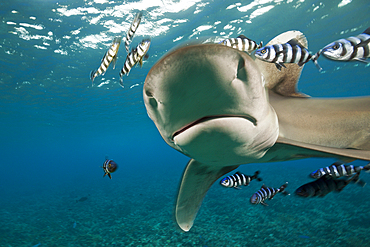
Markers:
{"x": 350, "y": 49}
{"x": 333, "y": 178}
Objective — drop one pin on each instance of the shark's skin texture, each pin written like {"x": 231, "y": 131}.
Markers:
{"x": 222, "y": 108}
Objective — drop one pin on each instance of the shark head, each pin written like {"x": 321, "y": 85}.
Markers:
{"x": 222, "y": 108}
{"x": 209, "y": 102}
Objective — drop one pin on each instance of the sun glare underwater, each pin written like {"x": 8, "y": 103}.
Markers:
{"x": 61, "y": 132}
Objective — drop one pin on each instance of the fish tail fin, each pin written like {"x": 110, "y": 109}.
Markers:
{"x": 367, "y": 168}
{"x": 282, "y": 189}
{"x": 314, "y": 59}
{"x": 260, "y": 45}
{"x": 92, "y": 76}
{"x": 255, "y": 176}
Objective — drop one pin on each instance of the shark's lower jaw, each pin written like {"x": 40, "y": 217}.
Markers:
{"x": 221, "y": 140}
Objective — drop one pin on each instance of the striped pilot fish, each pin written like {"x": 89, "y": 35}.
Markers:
{"x": 239, "y": 179}
{"x": 290, "y": 52}
{"x": 352, "y": 48}
{"x": 339, "y": 169}
{"x": 134, "y": 25}
{"x": 241, "y": 43}
{"x": 135, "y": 56}
{"x": 109, "y": 57}
{"x": 109, "y": 166}
{"x": 267, "y": 193}
{"x": 326, "y": 184}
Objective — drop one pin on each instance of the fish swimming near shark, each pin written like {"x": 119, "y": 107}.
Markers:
{"x": 131, "y": 31}
{"x": 239, "y": 179}
{"x": 109, "y": 166}
{"x": 109, "y": 57}
{"x": 290, "y": 52}
{"x": 137, "y": 55}
{"x": 326, "y": 184}
{"x": 339, "y": 169}
{"x": 267, "y": 193}
{"x": 242, "y": 43}
{"x": 350, "y": 49}
{"x": 82, "y": 199}
{"x": 222, "y": 108}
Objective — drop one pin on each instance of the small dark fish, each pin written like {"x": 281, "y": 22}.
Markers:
{"x": 267, "y": 193}
{"x": 324, "y": 185}
{"x": 339, "y": 169}
{"x": 110, "y": 56}
{"x": 353, "y": 48}
{"x": 82, "y": 199}
{"x": 134, "y": 25}
{"x": 135, "y": 56}
{"x": 239, "y": 179}
{"x": 290, "y": 52}
{"x": 241, "y": 43}
{"x": 109, "y": 166}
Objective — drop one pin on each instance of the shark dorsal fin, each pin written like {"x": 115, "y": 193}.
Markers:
{"x": 284, "y": 82}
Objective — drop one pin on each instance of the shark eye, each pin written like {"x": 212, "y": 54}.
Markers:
{"x": 335, "y": 47}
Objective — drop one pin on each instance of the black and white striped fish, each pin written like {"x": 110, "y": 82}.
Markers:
{"x": 353, "y": 48}
{"x": 135, "y": 56}
{"x": 267, "y": 193}
{"x": 290, "y": 52}
{"x": 239, "y": 179}
{"x": 241, "y": 43}
{"x": 339, "y": 169}
{"x": 130, "y": 33}
{"x": 109, "y": 166}
{"x": 109, "y": 57}
{"x": 326, "y": 184}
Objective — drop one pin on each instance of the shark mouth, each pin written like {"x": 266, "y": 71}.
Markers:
{"x": 207, "y": 118}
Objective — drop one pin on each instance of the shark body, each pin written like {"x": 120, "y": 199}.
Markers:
{"x": 223, "y": 109}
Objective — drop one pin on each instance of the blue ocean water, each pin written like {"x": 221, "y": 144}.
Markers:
{"x": 57, "y": 128}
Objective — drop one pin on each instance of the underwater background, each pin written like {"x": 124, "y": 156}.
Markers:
{"x": 57, "y": 128}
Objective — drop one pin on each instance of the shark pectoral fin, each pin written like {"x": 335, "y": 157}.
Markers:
{"x": 196, "y": 181}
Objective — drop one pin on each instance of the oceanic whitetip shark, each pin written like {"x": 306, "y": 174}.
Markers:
{"x": 223, "y": 109}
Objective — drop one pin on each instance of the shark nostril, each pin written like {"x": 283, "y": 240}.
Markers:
{"x": 148, "y": 93}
